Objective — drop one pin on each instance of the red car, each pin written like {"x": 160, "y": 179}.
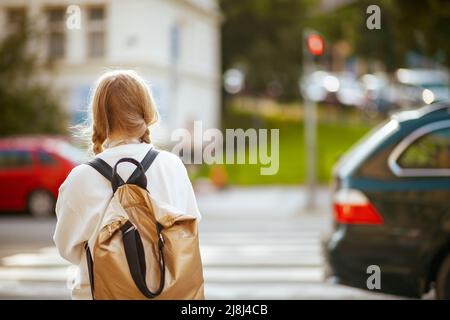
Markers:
{"x": 31, "y": 171}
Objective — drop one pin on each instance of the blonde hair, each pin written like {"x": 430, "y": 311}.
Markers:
{"x": 121, "y": 105}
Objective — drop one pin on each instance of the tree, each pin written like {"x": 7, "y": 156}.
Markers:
{"x": 265, "y": 39}
{"x": 421, "y": 27}
{"x": 26, "y": 106}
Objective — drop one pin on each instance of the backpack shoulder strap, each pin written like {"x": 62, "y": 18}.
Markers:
{"x": 149, "y": 158}
{"x": 102, "y": 167}
{"x": 146, "y": 163}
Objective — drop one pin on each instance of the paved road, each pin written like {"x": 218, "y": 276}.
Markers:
{"x": 266, "y": 257}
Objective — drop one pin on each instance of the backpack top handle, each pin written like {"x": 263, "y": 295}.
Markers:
{"x": 138, "y": 175}
{"x": 138, "y": 179}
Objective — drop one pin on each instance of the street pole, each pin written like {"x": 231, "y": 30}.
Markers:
{"x": 310, "y": 129}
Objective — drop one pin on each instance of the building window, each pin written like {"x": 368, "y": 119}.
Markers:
{"x": 56, "y": 33}
{"x": 15, "y": 18}
{"x": 56, "y": 45}
{"x": 96, "y": 14}
{"x": 15, "y": 15}
{"x": 96, "y": 32}
{"x": 96, "y": 44}
{"x": 175, "y": 43}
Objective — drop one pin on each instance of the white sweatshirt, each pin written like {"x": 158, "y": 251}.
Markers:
{"x": 85, "y": 194}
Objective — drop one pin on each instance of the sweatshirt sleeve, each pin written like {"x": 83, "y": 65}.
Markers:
{"x": 189, "y": 200}
{"x": 172, "y": 184}
{"x": 72, "y": 226}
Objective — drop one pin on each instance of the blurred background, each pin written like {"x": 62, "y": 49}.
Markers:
{"x": 323, "y": 72}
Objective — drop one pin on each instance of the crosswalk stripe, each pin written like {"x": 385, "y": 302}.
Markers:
{"x": 259, "y": 275}
{"x": 211, "y": 275}
{"x": 262, "y": 234}
{"x": 34, "y": 259}
{"x": 258, "y": 263}
{"x": 35, "y": 274}
{"x": 261, "y": 249}
{"x": 262, "y": 291}
{"x": 12, "y": 289}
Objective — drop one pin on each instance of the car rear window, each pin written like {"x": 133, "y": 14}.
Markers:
{"x": 15, "y": 159}
{"x": 431, "y": 151}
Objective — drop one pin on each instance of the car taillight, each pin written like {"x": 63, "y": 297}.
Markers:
{"x": 353, "y": 207}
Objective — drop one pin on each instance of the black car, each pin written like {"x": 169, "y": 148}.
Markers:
{"x": 392, "y": 206}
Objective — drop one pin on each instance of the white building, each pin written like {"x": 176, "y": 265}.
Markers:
{"x": 174, "y": 44}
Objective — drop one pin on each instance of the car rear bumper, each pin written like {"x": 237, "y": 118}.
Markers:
{"x": 346, "y": 262}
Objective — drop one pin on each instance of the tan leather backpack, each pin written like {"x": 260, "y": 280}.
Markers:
{"x": 142, "y": 249}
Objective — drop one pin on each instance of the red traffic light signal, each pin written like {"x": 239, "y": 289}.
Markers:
{"x": 315, "y": 44}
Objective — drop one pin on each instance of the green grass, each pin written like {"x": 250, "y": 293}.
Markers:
{"x": 335, "y": 135}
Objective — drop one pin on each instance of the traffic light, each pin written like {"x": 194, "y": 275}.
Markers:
{"x": 315, "y": 44}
